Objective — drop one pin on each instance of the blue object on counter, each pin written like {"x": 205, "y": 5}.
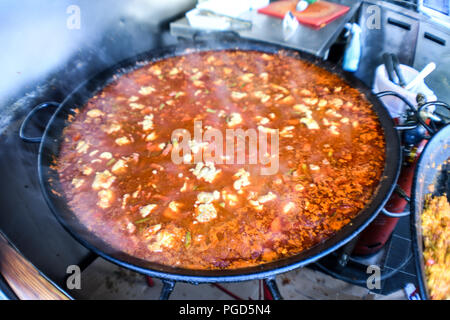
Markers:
{"x": 352, "y": 54}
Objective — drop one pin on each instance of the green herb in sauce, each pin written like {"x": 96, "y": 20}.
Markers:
{"x": 187, "y": 239}
{"x": 141, "y": 220}
{"x": 291, "y": 171}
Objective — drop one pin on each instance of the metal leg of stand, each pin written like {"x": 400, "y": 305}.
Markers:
{"x": 87, "y": 261}
{"x": 167, "y": 289}
{"x": 273, "y": 288}
{"x": 346, "y": 251}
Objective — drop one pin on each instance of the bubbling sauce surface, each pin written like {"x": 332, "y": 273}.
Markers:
{"x": 119, "y": 179}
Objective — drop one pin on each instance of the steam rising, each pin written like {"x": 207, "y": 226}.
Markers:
{"x": 38, "y": 46}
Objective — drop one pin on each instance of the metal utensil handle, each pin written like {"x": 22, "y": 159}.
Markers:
{"x": 30, "y": 115}
{"x": 398, "y": 71}
{"x": 387, "y": 59}
{"x": 214, "y": 34}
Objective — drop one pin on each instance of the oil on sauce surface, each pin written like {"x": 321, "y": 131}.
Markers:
{"x": 118, "y": 177}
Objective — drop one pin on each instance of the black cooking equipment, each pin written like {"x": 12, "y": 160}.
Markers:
{"x": 432, "y": 170}
{"x": 348, "y": 265}
{"x": 389, "y": 65}
{"x": 396, "y": 65}
{"x": 49, "y": 149}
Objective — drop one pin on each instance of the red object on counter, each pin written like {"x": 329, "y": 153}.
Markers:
{"x": 317, "y": 15}
{"x": 150, "y": 281}
{"x": 375, "y": 236}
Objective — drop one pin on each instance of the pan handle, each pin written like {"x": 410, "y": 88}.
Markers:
{"x": 413, "y": 109}
{"x": 395, "y": 214}
{"x": 410, "y": 106}
{"x": 30, "y": 115}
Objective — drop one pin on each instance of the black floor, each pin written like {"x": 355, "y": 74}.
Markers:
{"x": 395, "y": 260}
{"x": 399, "y": 249}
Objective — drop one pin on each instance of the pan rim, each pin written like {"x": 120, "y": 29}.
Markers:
{"x": 417, "y": 210}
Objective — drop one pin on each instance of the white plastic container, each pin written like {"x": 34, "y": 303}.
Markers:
{"x": 395, "y": 106}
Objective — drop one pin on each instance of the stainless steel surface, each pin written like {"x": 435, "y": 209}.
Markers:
{"x": 424, "y": 42}
{"x": 437, "y": 10}
{"x": 269, "y": 29}
{"x": 433, "y": 45}
{"x": 396, "y": 33}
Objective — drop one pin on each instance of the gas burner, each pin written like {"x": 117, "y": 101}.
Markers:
{"x": 386, "y": 243}
{"x": 394, "y": 261}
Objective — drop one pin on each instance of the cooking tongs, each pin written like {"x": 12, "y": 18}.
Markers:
{"x": 392, "y": 64}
